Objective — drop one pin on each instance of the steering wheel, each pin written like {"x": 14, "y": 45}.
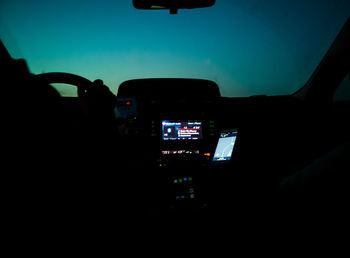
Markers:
{"x": 81, "y": 83}
{"x": 83, "y": 86}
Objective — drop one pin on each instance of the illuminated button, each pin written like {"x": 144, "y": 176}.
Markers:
{"x": 175, "y": 181}
{"x": 185, "y": 179}
{"x": 180, "y": 180}
{"x": 190, "y": 179}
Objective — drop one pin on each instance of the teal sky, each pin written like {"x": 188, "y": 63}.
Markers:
{"x": 246, "y": 46}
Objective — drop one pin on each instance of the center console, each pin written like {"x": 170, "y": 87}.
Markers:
{"x": 174, "y": 119}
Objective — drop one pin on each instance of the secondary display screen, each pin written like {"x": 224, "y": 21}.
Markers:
{"x": 225, "y": 145}
{"x": 182, "y": 130}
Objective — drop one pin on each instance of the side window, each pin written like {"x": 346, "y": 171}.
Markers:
{"x": 343, "y": 91}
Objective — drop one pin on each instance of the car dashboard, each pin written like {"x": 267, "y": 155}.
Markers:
{"x": 185, "y": 149}
{"x": 199, "y": 149}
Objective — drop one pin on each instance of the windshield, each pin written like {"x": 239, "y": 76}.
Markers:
{"x": 247, "y": 47}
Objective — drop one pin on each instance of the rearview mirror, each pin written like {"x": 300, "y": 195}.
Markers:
{"x": 172, "y": 5}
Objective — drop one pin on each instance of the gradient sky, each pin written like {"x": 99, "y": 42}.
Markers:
{"x": 247, "y": 46}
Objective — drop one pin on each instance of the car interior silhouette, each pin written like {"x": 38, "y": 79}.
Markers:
{"x": 171, "y": 146}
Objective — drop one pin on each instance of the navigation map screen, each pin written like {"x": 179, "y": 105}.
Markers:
{"x": 180, "y": 130}
{"x": 225, "y": 145}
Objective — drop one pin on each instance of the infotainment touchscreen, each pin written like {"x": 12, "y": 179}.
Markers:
{"x": 181, "y": 130}
{"x": 225, "y": 145}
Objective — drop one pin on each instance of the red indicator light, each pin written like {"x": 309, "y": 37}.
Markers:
{"x": 128, "y": 103}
